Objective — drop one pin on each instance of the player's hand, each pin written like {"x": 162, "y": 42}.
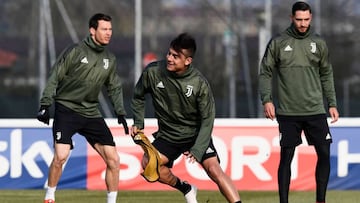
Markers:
{"x": 334, "y": 114}
{"x": 122, "y": 120}
{"x": 189, "y": 157}
{"x": 135, "y": 130}
{"x": 269, "y": 110}
{"x": 43, "y": 114}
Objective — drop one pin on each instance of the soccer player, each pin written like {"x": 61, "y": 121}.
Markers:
{"x": 74, "y": 84}
{"x": 185, "y": 109}
{"x": 300, "y": 59}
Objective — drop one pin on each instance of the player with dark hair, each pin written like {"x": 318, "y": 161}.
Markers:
{"x": 300, "y": 59}
{"x": 185, "y": 110}
{"x": 75, "y": 82}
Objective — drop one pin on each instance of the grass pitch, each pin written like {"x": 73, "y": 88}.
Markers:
{"x": 90, "y": 196}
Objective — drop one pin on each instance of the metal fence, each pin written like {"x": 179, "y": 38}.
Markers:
{"x": 231, "y": 37}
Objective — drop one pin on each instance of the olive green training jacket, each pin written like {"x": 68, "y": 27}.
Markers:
{"x": 304, "y": 73}
{"x": 184, "y": 105}
{"x": 78, "y": 76}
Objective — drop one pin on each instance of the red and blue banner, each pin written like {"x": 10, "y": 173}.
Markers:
{"x": 248, "y": 149}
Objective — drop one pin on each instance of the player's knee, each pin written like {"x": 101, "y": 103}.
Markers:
{"x": 58, "y": 161}
{"x": 60, "y": 158}
{"x": 214, "y": 171}
{"x": 113, "y": 162}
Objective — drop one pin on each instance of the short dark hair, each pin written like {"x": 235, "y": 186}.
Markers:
{"x": 94, "y": 20}
{"x": 300, "y": 6}
{"x": 184, "y": 41}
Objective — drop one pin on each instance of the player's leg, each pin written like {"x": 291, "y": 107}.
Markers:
{"x": 111, "y": 159}
{"x": 61, "y": 154}
{"x": 322, "y": 171}
{"x": 224, "y": 183}
{"x": 318, "y": 134}
{"x": 167, "y": 177}
{"x": 64, "y": 127}
{"x": 168, "y": 153}
{"x": 290, "y": 136}
{"x": 99, "y": 136}
{"x": 284, "y": 172}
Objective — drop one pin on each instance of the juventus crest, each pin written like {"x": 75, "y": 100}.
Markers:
{"x": 313, "y": 47}
{"x": 189, "y": 90}
{"x": 106, "y": 63}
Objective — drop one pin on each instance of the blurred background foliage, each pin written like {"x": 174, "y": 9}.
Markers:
{"x": 227, "y": 33}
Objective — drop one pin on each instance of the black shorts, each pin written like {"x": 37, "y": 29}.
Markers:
{"x": 172, "y": 151}
{"x": 67, "y": 122}
{"x": 315, "y": 128}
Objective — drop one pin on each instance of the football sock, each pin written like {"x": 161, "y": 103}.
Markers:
{"x": 184, "y": 187}
{"x": 111, "y": 197}
{"x": 50, "y": 193}
{"x": 238, "y": 201}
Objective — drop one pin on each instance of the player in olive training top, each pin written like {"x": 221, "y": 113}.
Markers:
{"x": 185, "y": 109}
{"x": 300, "y": 59}
{"x": 74, "y": 84}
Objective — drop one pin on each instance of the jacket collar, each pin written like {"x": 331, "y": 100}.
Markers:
{"x": 292, "y": 31}
{"x": 187, "y": 72}
{"x": 90, "y": 43}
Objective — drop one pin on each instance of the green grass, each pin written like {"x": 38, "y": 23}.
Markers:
{"x": 85, "y": 196}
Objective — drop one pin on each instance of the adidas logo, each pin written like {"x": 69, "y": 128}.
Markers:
{"x": 160, "y": 85}
{"x": 84, "y": 60}
{"x": 288, "y": 48}
{"x": 209, "y": 150}
{"x": 328, "y": 137}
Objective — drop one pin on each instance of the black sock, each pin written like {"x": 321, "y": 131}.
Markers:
{"x": 238, "y": 201}
{"x": 184, "y": 187}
